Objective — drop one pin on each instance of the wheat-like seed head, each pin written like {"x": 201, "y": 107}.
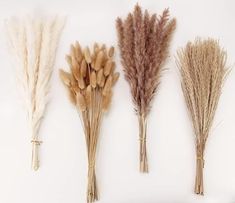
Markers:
{"x": 99, "y": 60}
{"x": 81, "y": 102}
{"x": 108, "y": 85}
{"x": 107, "y": 100}
{"x": 87, "y": 55}
{"x": 115, "y": 78}
{"x": 93, "y": 79}
{"x": 83, "y": 68}
{"x": 203, "y": 68}
{"x": 111, "y": 52}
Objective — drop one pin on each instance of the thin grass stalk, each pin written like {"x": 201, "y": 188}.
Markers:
{"x": 143, "y": 150}
{"x": 199, "y": 169}
{"x": 92, "y": 191}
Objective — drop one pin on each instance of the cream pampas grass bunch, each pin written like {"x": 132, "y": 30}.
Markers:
{"x": 144, "y": 41}
{"x": 203, "y": 69}
{"x": 33, "y": 43}
{"x": 89, "y": 84}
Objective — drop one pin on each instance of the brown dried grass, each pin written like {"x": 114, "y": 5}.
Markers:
{"x": 203, "y": 68}
{"x": 144, "y": 43}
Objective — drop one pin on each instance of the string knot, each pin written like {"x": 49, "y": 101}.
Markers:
{"x": 91, "y": 165}
{"x": 142, "y": 139}
{"x": 37, "y": 142}
{"x": 201, "y": 159}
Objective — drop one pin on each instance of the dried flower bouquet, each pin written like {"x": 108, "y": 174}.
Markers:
{"x": 144, "y": 41}
{"x": 33, "y": 43}
{"x": 90, "y": 86}
{"x": 203, "y": 68}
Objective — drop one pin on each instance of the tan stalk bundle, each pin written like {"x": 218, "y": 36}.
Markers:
{"x": 203, "y": 69}
{"x": 144, "y": 43}
{"x": 90, "y": 85}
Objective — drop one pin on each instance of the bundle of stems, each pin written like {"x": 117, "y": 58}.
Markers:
{"x": 33, "y": 43}
{"x": 203, "y": 69}
{"x": 144, "y": 42}
{"x": 90, "y": 86}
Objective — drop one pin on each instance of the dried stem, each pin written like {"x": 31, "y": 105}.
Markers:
{"x": 143, "y": 150}
{"x": 92, "y": 192}
{"x": 96, "y": 112}
{"x": 199, "y": 169}
{"x": 35, "y": 154}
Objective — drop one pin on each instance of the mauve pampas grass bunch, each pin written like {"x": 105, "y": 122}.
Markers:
{"x": 203, "y": 68}
{"x": 33, "y": 43}
{"x": 90, "y": 85}
{"x": 144, "y": 43}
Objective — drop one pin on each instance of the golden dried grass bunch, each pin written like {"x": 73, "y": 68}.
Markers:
{"x": 90, "y": 86}
{"x": 203, "y": 68}
{"x": 144, "y": 43}
{"x": 33, "y": 43}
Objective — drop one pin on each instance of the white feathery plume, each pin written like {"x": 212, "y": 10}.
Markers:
{"x": 33, "y": 43}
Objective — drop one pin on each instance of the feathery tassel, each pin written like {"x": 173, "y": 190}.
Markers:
{"x": 33, "y": 43}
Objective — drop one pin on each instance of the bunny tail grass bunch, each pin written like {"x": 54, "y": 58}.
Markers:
{"x": 203, "y": 69}
{"x": 144, "y": 42}
{"x": 33, "y": 42}
{"x": 90, "y": 85}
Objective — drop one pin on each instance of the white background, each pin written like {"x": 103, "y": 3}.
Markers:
{"x": 62, "y": 176}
